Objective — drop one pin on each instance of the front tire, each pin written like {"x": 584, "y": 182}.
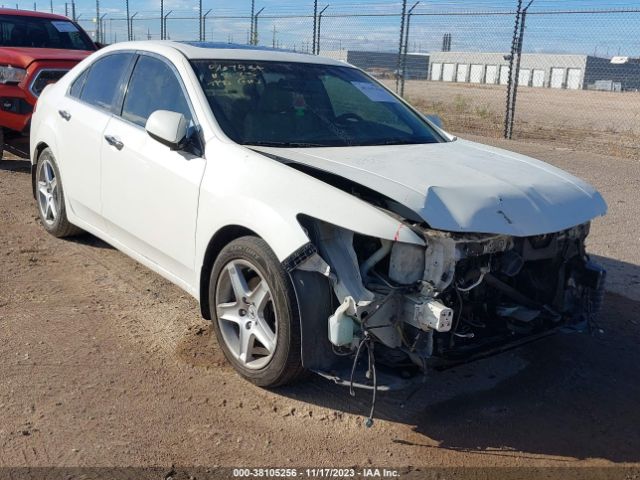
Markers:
{"x": 255, "y": 313}
{"x": 50, "y": 197}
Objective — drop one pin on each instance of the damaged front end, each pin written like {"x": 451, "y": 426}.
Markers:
{"x": 459, "y": 297}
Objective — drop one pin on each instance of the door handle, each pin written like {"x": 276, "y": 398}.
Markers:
{"x": 64, "y": 114}
{"x": 114, "y": 141}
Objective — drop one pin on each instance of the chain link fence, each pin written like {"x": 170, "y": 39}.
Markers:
{"x": 531, "y": 70}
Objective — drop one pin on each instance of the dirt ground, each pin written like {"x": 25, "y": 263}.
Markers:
{"x": 104, "y": 363}
{"x": 605, "y": 122}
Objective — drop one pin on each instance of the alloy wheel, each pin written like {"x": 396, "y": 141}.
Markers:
{"x": 246, "y": 314}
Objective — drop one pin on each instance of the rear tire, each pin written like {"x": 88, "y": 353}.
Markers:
{"x": 50, "y": 197}
{"x": 255, "y": 313}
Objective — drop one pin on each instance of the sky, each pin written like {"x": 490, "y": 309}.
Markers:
{"x": 475, "y": 25}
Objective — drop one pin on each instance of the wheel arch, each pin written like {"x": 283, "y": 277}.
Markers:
{"x": 40, "y": 147}
{"x": 220, "y": 239}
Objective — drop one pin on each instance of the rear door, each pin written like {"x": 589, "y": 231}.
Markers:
{"x": 150, "y": 192}
{"x": 83, "y": 115}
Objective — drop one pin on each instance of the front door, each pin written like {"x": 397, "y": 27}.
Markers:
{"x": 149, "y": 192}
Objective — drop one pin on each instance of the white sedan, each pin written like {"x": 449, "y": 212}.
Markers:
{"x": 322, "y": 222}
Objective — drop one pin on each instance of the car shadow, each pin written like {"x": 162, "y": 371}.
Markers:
{"x": 90, "y": 241}
{"x": 573, "y": 395}
{"x": 15, "y": 165}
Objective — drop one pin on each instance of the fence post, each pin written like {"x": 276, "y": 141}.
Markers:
{"x": 514, "y": 95}
{"x": 133, "y": 35}
{"x": 129, "y": 20}
{"x": 253, "y": 10}
{"x": 254, "y": 39}
{"x": 399, "y": 62}
{"x": 510, "y": 81}
{"x": 403, "y": 70}
{"x": 204, "y": 25}
{"x": 319, "y": 27}
{"x": 165, "y": 23}
{"x": 161, "y": 18}
{"x": 315, "y": 27}
{"x": 97, "y": 20}
{"x": 200, "y": 20}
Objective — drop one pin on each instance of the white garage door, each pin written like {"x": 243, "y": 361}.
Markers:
{"x": 476, "y": 73}
{"x": 463, "y": 70}
{"x": 538, "y": 78}
{"x": 436, "y": 71}
{"x": 504, "y": 74}
{"x": 574, "y": 79}
{"x": 557, "y": 77}
{"x": 448, "y": 72}
{"x": 524, "y": 77}
{"x": 492, "y": 74}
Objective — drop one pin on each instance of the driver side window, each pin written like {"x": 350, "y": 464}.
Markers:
{"x": 153, "y": 86}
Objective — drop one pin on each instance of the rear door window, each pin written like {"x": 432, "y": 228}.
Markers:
{"x": 104, "y": 80}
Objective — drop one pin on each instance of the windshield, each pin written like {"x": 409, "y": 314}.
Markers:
{"x": 34, "y": 32}
{"x": 306, "y": 105}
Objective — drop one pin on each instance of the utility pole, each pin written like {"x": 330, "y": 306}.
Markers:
{"x": 73, "y": 11}
{"x": 273, "y": 39}
{"x": 161, "y": 19}
{"x": 405, "y": 48}
{"x": 66, "y": 9}
{"x": 204, "y": 25}
{"x": 51, "y": 5}
{"x": 255, "y": 27}
{"x": 315, "y": 25}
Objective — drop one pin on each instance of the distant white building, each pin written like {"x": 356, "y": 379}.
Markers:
{"x": 573, "y": 72}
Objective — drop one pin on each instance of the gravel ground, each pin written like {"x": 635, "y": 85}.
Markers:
{"x": 107, "y": 364}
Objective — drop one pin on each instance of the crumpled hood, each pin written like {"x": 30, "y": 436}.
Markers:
{"x": 463, "y": 186}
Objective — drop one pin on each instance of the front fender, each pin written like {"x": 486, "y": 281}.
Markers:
{"x": 246, "y": 189}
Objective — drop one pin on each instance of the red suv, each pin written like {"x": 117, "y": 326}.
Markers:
{"x": 35, "y": 49}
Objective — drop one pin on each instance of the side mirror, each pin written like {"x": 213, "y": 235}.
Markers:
{"x": 436, "y": 120}
{"x": 168, "y": 128}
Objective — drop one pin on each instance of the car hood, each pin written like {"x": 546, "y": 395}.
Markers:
{"x": 23, "y": 57}
{"x": 462, "y": 186}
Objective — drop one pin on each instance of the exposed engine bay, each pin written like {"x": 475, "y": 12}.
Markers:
{"x": 462, "y": 296}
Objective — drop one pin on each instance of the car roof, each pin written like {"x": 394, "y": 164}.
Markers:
{"x": 229, "y": 51}
{"x": 31, "y": 13}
